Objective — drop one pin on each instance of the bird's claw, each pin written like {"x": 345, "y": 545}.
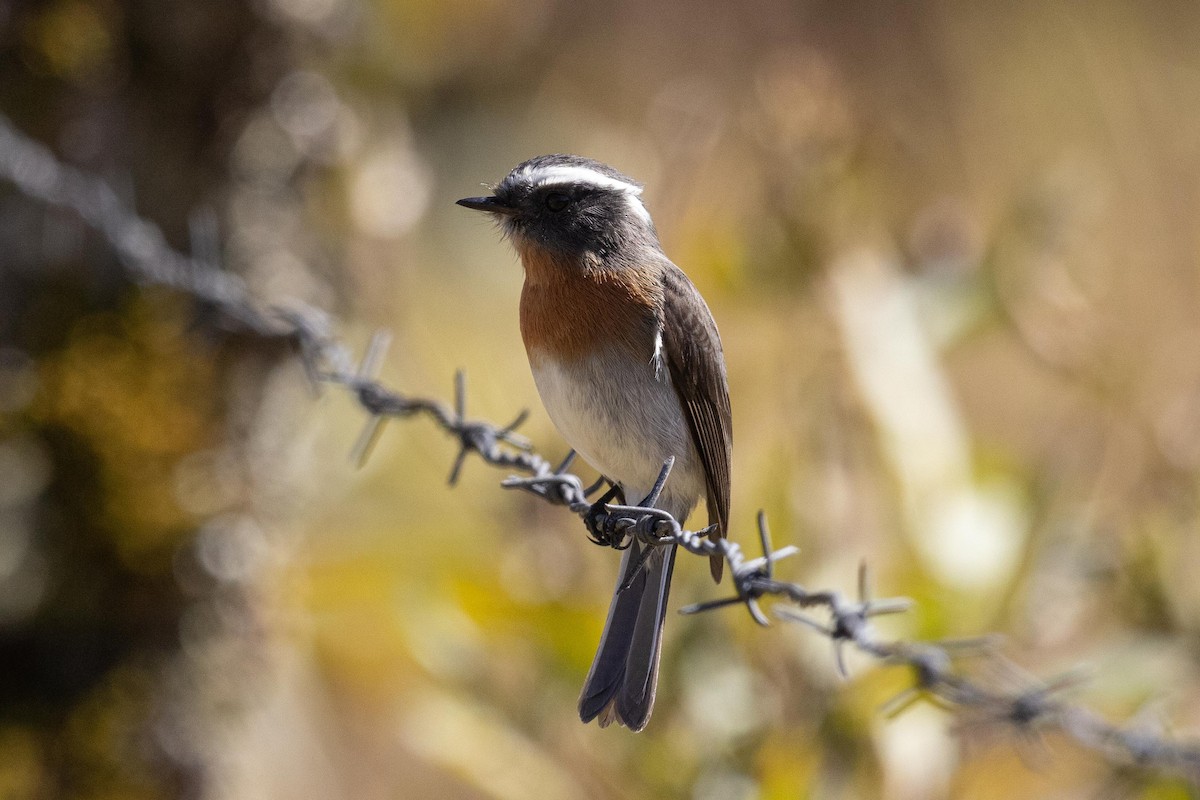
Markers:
{"x": 603, "y": 528}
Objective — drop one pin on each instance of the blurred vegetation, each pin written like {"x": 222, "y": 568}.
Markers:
{"x": 952, "y": 250}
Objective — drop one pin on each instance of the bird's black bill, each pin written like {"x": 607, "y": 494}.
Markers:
{"x": 489, "y": 204}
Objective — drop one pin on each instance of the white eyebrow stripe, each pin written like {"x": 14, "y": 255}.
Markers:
{"x": 638, "y": 207}
{"x": 552, "y": 176}
{"x": 549, "y": 176}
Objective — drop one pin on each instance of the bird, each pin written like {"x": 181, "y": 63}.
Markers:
{"x": 629, "y": 365}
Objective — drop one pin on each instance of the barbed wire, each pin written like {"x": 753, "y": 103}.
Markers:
{"x": 1028, "y": 706}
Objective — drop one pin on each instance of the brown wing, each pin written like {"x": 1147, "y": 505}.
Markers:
{"x": 697, "y": 365}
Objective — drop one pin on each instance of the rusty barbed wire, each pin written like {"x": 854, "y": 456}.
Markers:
{"x": 1030, "y": 708}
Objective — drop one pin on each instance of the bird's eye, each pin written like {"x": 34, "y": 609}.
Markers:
{"x": 557, "y": 201}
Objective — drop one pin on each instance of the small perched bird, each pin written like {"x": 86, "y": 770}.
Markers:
{"x": 628, "y": 363}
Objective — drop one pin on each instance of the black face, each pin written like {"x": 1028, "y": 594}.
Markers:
{"x": 572, "y": 206}
{"x": 571, "y": 217}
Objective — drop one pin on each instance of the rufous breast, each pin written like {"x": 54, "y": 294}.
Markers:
{"x": 571, "y": 310}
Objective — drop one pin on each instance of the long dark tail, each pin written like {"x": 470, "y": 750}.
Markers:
{"x": 621, "y": 683}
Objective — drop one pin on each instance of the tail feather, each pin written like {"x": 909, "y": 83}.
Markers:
{"x": 621, "y": 683}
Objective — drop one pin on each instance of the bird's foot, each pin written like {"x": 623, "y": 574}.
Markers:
{"x": 600, "y": 523}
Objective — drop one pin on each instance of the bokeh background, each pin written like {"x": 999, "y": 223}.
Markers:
{"x": 953, "y": 252}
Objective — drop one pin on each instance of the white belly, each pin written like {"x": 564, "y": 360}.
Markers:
{"x": 625, "y": 423}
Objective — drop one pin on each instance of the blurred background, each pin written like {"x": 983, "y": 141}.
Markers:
{"x": 953, "y": 252}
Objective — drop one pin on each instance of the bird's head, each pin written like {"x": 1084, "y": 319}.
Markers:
{"x": 570, "y": 207}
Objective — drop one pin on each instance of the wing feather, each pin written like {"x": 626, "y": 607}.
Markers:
{"x": 697, "y": 365}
